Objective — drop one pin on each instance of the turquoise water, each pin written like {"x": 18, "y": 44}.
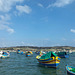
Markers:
{"x": 19, "y": 64}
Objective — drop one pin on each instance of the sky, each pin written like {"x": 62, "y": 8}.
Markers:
{"x": 42, "y": 23}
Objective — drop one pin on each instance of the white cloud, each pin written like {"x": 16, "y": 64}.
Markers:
{"x": 61, "y": 3}
{"x": 40, "y": 5}
{"x": 4, "y": 23}
{"x": 10, "y": 30}
{"x": 72, "y": 30}
{"x": 6, "y": 5}
{"x": 23, "y": 9}
{"x": 5, "y": 18}
{"x": 5, "y": 27}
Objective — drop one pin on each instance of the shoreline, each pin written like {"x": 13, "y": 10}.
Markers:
{"x": 38, "y": 50}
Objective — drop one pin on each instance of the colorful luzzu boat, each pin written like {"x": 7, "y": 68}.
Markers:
{"x": 50, "y": 59}
{"x": 29, "y": 53}
{"x": 70, "y": 70}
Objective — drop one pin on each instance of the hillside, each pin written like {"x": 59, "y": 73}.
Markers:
{"x": 38, "y": 48}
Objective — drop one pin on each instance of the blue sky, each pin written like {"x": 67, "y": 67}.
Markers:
{"x": 37, "y": 23}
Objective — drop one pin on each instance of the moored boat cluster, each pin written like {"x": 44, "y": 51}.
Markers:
{"x": 48, "y": 59}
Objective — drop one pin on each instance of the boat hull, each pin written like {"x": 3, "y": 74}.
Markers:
{"x": 4, "y": 56}
{"x": 68, "y": 71}
{"x": 27, "y": 55}
{"x": 51, "y": 62}
{"x": 50, "y": 65}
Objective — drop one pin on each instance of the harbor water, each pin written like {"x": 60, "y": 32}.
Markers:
{"x": 19, "y": 64}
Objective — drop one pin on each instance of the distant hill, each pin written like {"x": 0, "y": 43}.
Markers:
{"x": 35, "y": 47}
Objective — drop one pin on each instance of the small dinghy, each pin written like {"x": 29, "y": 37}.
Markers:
{"x": 70, "y": 70}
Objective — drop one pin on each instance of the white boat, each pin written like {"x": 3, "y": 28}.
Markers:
{"x": 70, "y": 51}
{"x": 1, "y": 53}
{"x": 4, "y": 54}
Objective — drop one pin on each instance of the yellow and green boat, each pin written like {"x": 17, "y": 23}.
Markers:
{"x": 50, "y": 59}
{"x": 29, "y": 53}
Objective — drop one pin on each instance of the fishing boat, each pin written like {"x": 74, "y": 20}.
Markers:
{"x": 29, "y": 53}
{"x": 5, "y": 55}
{"x": 20, "y": 52}
{"x": 50, "y": 59}
{"x": 63, "y": 54}
{"x": 70, "y": 51}
{"x": 37, "y": 52}
{"x": 70, "y": 70}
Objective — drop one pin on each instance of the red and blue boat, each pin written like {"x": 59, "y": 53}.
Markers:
{"x": 50, "y": 59}
{"x": 70, "y": 70}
